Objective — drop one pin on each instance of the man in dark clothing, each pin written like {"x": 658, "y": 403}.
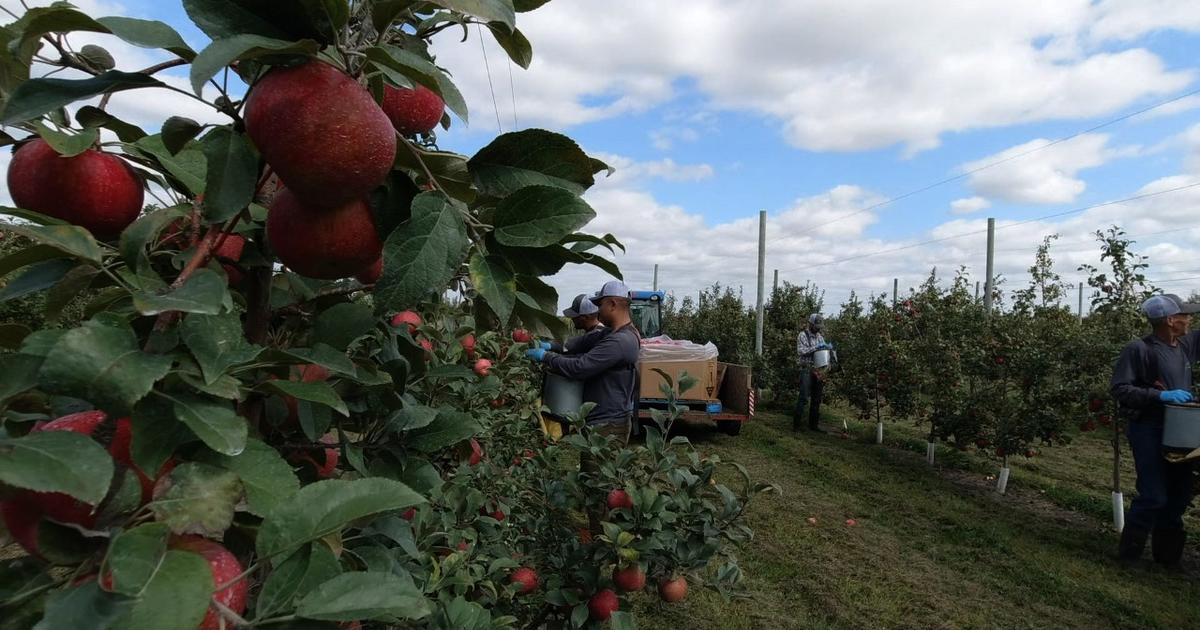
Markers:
{"x": 586, "y": 317}
{"x": 812, "y": 381}
{"x": 1150, "y": 373}
{"x": 608, "y": 368}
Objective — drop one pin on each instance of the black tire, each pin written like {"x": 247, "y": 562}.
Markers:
{"x": 729, "y": 427}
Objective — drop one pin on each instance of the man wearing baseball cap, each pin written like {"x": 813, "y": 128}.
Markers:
{"x": 585, "y": 315}
{"x": 1152, "y": 372}
{"x": 608, "y": 368}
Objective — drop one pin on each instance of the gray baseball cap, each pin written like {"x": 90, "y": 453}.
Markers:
{"x": 581, "y": 305}
{"x": 1160, "y": 306}
{"x": 612, "y": 288}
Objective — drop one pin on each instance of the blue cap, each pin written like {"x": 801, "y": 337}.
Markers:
{"x": 581, "y": 305}
{"x": 1160, "y": 306}
{"x": 612, "y": 288}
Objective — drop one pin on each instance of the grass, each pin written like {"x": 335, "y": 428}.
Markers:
{"x": 934, "y": 547}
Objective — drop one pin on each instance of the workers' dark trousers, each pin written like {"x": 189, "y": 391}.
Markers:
{"x": 811, "y": 390}
{"x": 1163, "y": 489}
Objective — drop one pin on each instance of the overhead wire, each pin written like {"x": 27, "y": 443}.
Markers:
{"x": 488, "y": 69}
{"x": 1000, "y": 227}
{"x": 989, "y": 165}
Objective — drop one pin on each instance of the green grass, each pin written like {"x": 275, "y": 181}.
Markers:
{"x": 934, "y": 547}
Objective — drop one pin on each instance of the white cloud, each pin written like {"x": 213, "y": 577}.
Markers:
{"x": 842, "y": 256}
{"x": 969, "y": 205}
{"x": 1026, "y": 173}
{"x": 627, "y": 170}
{"x": 834, "y": 75}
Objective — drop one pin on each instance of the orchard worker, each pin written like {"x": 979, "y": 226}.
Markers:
{"x": 1150, "y": 373}
{"x": 812, "y": 380}
{"x": 608, "y": 368}
{"x": 585, "y": 315}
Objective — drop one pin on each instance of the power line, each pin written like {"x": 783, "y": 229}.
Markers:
{"x": 1010, "y": 158}
{"x": 1002, "y": 227}
{"x": 512, "y": 90}
{"x": 486, "y": 67}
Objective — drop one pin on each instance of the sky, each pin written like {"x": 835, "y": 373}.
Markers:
{"x": 877, "y": 136}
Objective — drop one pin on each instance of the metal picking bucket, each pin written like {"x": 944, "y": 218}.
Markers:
{"x": 1181, "y": 427}
{"x": 562, "y": 395}
{"x": 821, "y": 359}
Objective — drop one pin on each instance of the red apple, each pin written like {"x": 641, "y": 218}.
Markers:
{"x": 225, "y": 568}
{"x": 672, "y": 591}
{"x": 409, "y": 318}
{"x": 521, "y": 335}
{"x": 413, "y": 111}
{"x": 21, "y": 517}
{"x": 526, "y": 580}
{"x": 94, "y": 190}
{"x": 409, "y": 514}
{"x": 468, "y": 344}
{"x": 482, "y": 366}
{"x": 851, "y": 522}
{"x": 618, "y": 498}
{"x": 371, "y": 274}
{"x": 476, "y": 453}
{"x": 630, "y": 578}
{"x": 1095, "y": 405}
{"x": 322, "y": 133}
{"x": 322, "y": 243}
{"x": 603, "y": 604}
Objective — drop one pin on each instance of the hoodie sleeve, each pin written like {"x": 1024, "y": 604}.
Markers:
{"x": 806, "y": 345}
{"x": 1127, "y": 382}
{"x": 606, "y": 354}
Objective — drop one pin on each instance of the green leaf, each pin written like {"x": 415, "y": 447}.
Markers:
{"x": 326, "y": 506}
{"x": 67, "y": 144}
{"x": 205, "y": 292}
{"x": 538, "y": 216}
{"x": 365, "y": 595}
{"x": 134, "y": 555}
{"x": 189, "y": 166}
{"x": 450, "y": 427}
{"x": 84, "y": 606}
{"x": 318, "y": 392}
{"x": 138, "y": 236}
{"x": 622, "y": 620}
{"x": 295, "y": 577}
{"x": 489, "y": 10}
{"x": 232, "y": 174}
{"x": 156, "y": 433}
{"x": 176, "y": 597}
{"x": 57, "y": 461}
{"x": 67, "y": 290}
{"x": 531, "y": 157}
{"x": 97, "y": 57}
{"x": 27, "y": 256}
{"x": 197, "y": 499}
{"x": 449, "y": 371}
{"x": 514, "y": 43}
{"x": 542, "y": 293}
{"x": 217, "y": 343}
{"x": 543, "y": 323}
{"x": 342, "y": 323}
{"x": 326, "y": 357}
{"x": 422, "y": 255}
{"x": 38, "y": 21}
{"x": 224, "y": 51}
{"x": 266, "y": 477}
{"x": 148, "y": 34}
{"x": 91, "y": 116}
{"x": 20, "y": 374}
{"x": 177, "y": 131}
{"x": 68, "y": 239}
{"x": 37, "y": 277}
{"x": 412, "y": 416}
{"x": 405, "y": 67}
{"x": 215, "y": 423}
{"x": 450, "y": 169}
{"x": 225, "y": 18}
{"x": 102, "y": 364}
{"x": 523, "y": 6}
{"x": 493, "y": 279}
{"x": 39, "y": 96}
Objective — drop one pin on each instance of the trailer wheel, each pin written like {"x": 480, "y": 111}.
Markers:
{"x": 729, "y": 427}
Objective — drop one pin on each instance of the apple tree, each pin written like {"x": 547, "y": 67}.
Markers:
{"x": 286, "y": 395}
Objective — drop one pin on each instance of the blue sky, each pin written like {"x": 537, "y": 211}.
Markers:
{"x": 816, "y": 109}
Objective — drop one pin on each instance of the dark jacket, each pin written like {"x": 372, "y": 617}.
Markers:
{"x": 1149, "y": 366}
{"x": 580, "y": 343}
{"x": 608, "y": 370}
